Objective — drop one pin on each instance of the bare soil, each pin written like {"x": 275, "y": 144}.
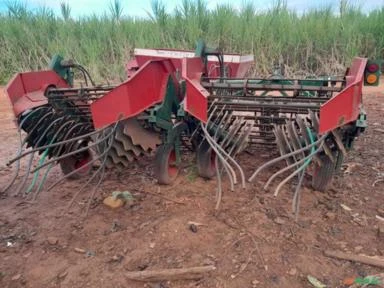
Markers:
{"x": 253, "y": 243}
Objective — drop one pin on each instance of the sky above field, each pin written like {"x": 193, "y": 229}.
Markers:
{"x": 141, "y": 8}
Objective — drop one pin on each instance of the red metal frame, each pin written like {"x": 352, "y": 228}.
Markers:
{"x": 147, "y": 87}
{"x": 144, "y": 89}
{"x": 345, "y": 106}
{"x": 195, "y": 101}
{"x": 27, "y": 90}
{"x": 237, "y": 65}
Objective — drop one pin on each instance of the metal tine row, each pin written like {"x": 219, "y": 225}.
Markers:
{"x": 22, "y": 143}
{"x": 108, "y": 142}
{"x": 55, "y": 140}
{"x": 227, "y": 135}
{"x": 299, "y": 148}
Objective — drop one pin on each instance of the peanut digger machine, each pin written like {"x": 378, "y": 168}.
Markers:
{"x": 172, "y": 97}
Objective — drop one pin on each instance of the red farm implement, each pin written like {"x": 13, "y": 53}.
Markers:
{"x": 202, "y": 96}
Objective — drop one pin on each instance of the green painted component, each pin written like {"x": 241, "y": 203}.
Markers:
{"x": 361, "y": 122}
{"x": 202, "y": 50}
{"x": 161, "y": 116}
{"x": 183, "y": 90}
{"x": 65, "y": 72}
{"x": 162, "y": 113}
{"x": 173, "y": 137}
{"x": 181, "y": 111}
{"x": 278, "y": 80}
{"x": 376, "y": 73}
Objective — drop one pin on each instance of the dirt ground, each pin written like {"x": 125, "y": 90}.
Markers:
{"x": 251, "y": 243}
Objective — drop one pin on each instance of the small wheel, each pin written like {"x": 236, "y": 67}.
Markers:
{"x": 322, "y": 175}
{"x": 166, "y": 169}
{"x": 74, "y": 162}
{"x": 206, "y": 158}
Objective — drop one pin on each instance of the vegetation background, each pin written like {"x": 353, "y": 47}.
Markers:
{"x": 319, "y": 41}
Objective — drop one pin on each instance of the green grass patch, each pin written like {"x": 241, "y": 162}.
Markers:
{"x": 320, "y": 41}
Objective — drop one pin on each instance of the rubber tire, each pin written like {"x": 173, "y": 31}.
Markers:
{"x": 162, "y": 166}
{"x": 339, "y": 162}
{"x": 205, "y": 158}
{"x": 323, "y": 175}
{"x": 68, "y": 165}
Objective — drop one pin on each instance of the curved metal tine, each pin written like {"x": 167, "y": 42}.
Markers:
{"x": 78, "y": 169}
{"x": 302, "y": 167}
{"x": 297, "y": 196}
{"x": 226, "y": 127}
{"x": 69, "y": 147}
{"x": 37, "y": 126}
{"x": 110, "y": 138}
{"x": 208, "y": 121}
{"x": 43, "y": 180}
{"x": 235, "y": 123}
{"x": 233, "y": 131}
{"x": 339, "y": 142}
{"x": 288, "y": 144}
{"x": 52, "y": 145}
{"x": 293, "y": 165}
{"x": 273, "y": 161}
{"x": 103, "y": 164}
{"x": 243, "y": 139}
{"x": 280, "y": 143}
{"x": 234, "y": 145}
{"x": 19, "y": 156}
{"x": 55, "y": 136}
{"x": 57, "y": 151}
{"x": 315, "y": 125}
{"x": 228, "y": 137}
{"x": 303, "y": 131}
{"x": 230, "y": 158}
{"x": 48, "y": 128}
{"x": 96, "y": 186}
{"x": 212, "y": 105}
{"x": 224, "y": 146}
{"x": 228, "y": 168}
{"x": 90, "y": 178}
{"x": 220, "y": 124}
{"x": 315, "y": 122}
{"x": 67, "y": 155}
{"x": 22, "y": 184}
{"x": 208, "y": 113}
{"x": 25, "y": 177}
{"x": 46, "y": 153}
{"x": 217, "y": 118}
{"x": 295, "y": 140}
{"x": 40, "y": 139}
{"x": 219, "y": 191}
{"x": 20, "y": 149}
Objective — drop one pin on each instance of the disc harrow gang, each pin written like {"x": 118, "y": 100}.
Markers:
{"x": 131, "y": 142}
{"x": 171, "y": 97}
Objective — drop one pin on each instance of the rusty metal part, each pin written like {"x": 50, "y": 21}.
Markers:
{"x": 295, "y": 140}
{"x": 131, "y": 141}
{"x": 339, "y": 142}
{"x": 140, "y": 136}
{"x": 314, "y": 119}
{"x": 121, "y": 152}
{"x": 127, "y": 143}
{"x": 281, "y": 143}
